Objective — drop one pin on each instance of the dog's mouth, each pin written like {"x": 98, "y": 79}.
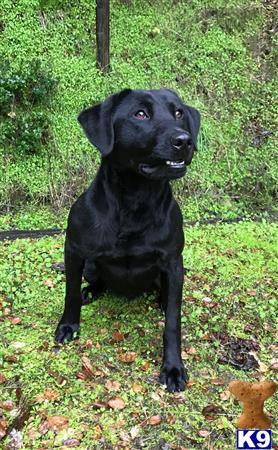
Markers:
{"x": 161, "y": 169}
{"x": 180, "y": 164}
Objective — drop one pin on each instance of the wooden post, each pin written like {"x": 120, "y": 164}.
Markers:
{"x": 102, "y": 34}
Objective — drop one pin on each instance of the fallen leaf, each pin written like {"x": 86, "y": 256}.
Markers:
{"x": 11, "y": 114}
{"x": 127, "y": 357}
{"x": 206, "y": 300}
{"x": 2, "y": 378}
{"x": 137, "y": 387}
{"x": 141, "y": 332}
{"x": 211, "y": 410}
{"x": 88, "y": 344}
{"x": 15, "y": 320}
{"x": 274, "y": 365}
{"x": 154, "y": 420}
{"x": 225, "y": 395}
{"x": 117, "y": 336}
{"x": 155, "y": 397}
{"x": 97, "y": 430}
{"x": 48, "y": 394}
{"x": 3, "y": 427}
{"x": 145, "y": 366}
{"x": 7, "y": 405}
{"x": 71, "y": 443}
{"x": 116, "y": 403}
{"x": 203, "y": 433}
{"x": 57, "y": 423}
{"x": 10, "y": 358}
{"x": 112, "y": 385}
{"x": 134, "y": 432}
{"x": 217, "y": 381}
{"x": 171, "y": 419}
{"x": 87, "y": 369}
{"x": 49, "y": 283}
{"x": 99, "y": 404}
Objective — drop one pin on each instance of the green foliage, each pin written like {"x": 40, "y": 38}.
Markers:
{"x": 220, "y": 57}
{"x": 233, "y": 266}
{"x": 23, "y": 94}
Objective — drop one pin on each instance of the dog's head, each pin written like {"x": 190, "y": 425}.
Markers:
{"x": 151, "y": 132}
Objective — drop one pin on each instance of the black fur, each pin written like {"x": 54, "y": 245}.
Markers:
{"x": 125, "y": 232}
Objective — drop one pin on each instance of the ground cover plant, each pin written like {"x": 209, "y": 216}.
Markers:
{"x": 102, "y": 391}
{"x": 219, "y": 56}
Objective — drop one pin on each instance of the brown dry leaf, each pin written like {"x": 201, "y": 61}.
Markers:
{"x": 87, "y": 369}
{"x": 49, "y": 283}
{"x": 2, "y": 378}
{"x": 217, "y": 381}
{"x": 225, "y": 395}
{"x": 32, "y": 434}
{"x": 251, "y": 292}
{"x": 3, "y": 427}
{"x": 117, "y": 336}
{"x": 57, "y": 423}
{"x": 15, "y": 320}
{"x": 7, "y": 405}
{"x": 190, "y": 383}
{"x": 141, "y": 332}
{"x": 88, "y": 344}
{"x": 71, "y": 443}
{"x": 112, "y": 385}
{"x": 145, "y": 366}
{"x": 184, "y": 355}
{"x": 206, "y": 337}
{"x": 210, "y": 410}
{"x": 274, "y": 365}
{"x": 171, "y": 419}
{"x": 137, "y": 387}
{"x": 98, "y": 430}
{"x": 154, "y": 420}
{"x": 48, "y": 394}
{"x": 116, "y": 403}
{"x": 127, "y": 357}
{"x": 99, "y": 404}
{"x": 155, "y": 397}
{"x": 10, "y": 358}
{"x": 203, "y": 433}
{"x": 191, "y": 351}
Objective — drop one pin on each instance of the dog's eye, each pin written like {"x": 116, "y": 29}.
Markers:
{"x": 141, "y": 115}
{"x": 178, "y": 114}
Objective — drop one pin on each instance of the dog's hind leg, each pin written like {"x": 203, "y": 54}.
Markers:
{"x": 92, "y": 291}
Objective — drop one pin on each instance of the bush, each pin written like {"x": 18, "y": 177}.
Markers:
{"x": 24, "y": 96}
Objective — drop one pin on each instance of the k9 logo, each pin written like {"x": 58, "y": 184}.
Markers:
{"x": 253, "y": 439}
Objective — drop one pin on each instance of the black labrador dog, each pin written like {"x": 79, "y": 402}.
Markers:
{"x": 125, "y": 232}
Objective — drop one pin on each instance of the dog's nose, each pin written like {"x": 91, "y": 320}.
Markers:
{"x": 181, "y": 141}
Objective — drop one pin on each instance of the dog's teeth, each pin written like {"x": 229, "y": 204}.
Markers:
{"x": 175, "y": 163}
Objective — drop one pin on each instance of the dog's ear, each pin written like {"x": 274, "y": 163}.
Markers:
{"x": 194, "y": 120}
{"x": 98, "y": 122}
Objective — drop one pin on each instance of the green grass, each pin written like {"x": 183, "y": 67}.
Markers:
{"x": 219, "y": 56}
{"x": 234, "y": 265}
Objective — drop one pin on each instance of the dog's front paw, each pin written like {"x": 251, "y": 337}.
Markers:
{"x": 66, "y": 332}
{"x": 174, "y": 377}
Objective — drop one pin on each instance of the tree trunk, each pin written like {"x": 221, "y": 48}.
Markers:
{"x": 102, "y": 34}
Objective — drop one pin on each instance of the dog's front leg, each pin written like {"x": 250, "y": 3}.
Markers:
{"x": 173, "y": 373}
{"x": 68, "y": 327}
